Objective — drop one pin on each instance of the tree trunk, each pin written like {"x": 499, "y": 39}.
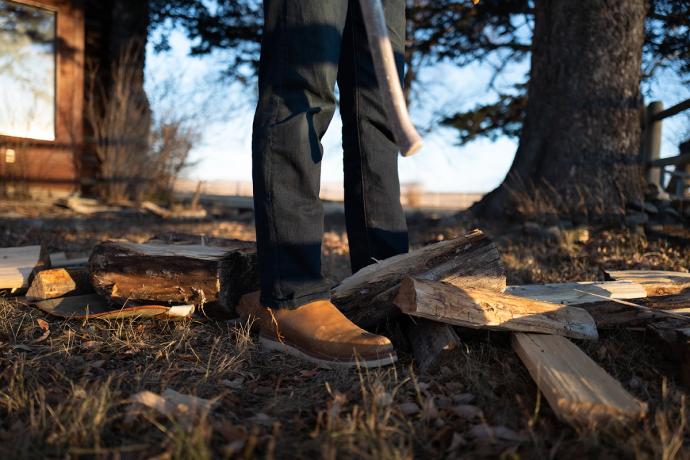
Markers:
{"x": 578, "y": 156}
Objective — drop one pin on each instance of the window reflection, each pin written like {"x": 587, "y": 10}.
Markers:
{"x": 27, "y": 71}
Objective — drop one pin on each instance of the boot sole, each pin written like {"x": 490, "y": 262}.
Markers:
{"x": 325, "y": 363}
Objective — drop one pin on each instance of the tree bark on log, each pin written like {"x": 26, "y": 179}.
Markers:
{"x": 470, "y": 260}
{"x": 482, "y": 308}
{"x": 578, "y": 155}
{"x": 172, "y": 274}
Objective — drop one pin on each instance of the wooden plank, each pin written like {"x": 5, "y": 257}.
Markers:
{"x": 580, "y": 292}
{"x": 578, "y": 390}
{"x": 171, "y": 274}
{"x": 366, "y": 297}
{"x": 611, "y": 314}
{"x": 655, "y": 282}
{"x": 17, "y": 265}
{"x": 59, "y": 282}
{"x": 95, "y": 306}
{"x": 482, "y": 308}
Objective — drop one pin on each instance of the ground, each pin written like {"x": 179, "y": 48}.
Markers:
{"x": 67, "y": 394}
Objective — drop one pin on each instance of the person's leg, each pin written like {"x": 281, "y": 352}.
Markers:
{"x": 375, "y": 220}
{"x": 299, "y": 61}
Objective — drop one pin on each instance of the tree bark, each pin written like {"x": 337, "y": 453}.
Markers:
{"x": 212, "y": 277}
{"x": 471, "y": 260}
{"x": 578, "y": 155}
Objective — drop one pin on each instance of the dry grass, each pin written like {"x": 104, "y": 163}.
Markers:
{"x": 67, "y": 395}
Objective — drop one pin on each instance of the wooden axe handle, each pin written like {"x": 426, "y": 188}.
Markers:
{"x": 406, "y": 136}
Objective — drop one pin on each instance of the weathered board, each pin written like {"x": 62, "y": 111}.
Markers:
{"x": 655, "y": 282}
{"x": 578, "y": 390}
{"x": 18, "y": 264}
{"x": 579, "y": 293}
{"x": 486, "y": 309}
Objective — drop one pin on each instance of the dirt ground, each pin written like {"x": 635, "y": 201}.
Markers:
{"x": 66, "y": 386}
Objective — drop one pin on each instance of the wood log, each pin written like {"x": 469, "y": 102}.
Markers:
{"x": 470, "y": 260}
{"x": 59, "y": 282}
{"x": 578, "y": 390}
{"x": 483, "y": 308}
{"x": 95, "y": 306}
{"x": 611, "y": 314}
{"x": 433, "y": 344}
{"x": 579, "y": 293}
{"x": 18, "y": 265}
{"x": 206, "y": 276}
{"x": 655, "y": 282}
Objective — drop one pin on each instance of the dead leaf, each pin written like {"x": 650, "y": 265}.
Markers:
{"x": 429, "y": 410}
{"x": 185, "y": 408}
{"x": 309, "y": 374}
{"x": 409, "y": 408}
{"x": 495, "y": 433}
{"x": 235, "y": 384}
{"x": 235, "y": 435}
{"x": 43, "y": 324}
{"x": 456, "y": 442}
{"x": 22, "y": 347}
{"x": 463, "y": 398}
{"x": 467, "y": 411}
{"x": 91, "y": 345}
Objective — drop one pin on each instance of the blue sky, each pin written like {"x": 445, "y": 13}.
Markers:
{"x": 225, "y": 150}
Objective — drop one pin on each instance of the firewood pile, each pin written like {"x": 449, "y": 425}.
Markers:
{"x": 432, "y": 295}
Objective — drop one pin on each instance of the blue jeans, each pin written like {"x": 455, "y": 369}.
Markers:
{"x": 308, "y": 46}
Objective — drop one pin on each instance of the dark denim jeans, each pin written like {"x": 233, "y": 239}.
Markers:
{"x": 308, "y": 45}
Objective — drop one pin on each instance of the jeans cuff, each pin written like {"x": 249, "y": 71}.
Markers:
{"x": 294, "y": 302}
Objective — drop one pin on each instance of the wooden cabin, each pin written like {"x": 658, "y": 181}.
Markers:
{"x": 49, "y": 51}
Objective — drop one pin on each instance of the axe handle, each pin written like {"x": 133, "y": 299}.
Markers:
{"x": 404, "y": 132}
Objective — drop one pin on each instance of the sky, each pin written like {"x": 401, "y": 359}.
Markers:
{"x": 224, "y": 152}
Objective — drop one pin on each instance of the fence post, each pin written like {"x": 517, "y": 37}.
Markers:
{"x": 651, "y": 142}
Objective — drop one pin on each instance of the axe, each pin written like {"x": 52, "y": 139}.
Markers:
{"x": 406, "y": 136}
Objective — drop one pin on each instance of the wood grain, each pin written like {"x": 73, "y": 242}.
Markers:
{"x": 578, "y": 390}
{"x": 486, "y": 309}
{"x": 18, "y": 264}
{"x": 655, "y": 282}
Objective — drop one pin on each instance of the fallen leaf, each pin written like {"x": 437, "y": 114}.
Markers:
{"x": 91, "y": 345}
{"x": 186, "y": 408}
{"x": 463, "y": 398}
{"x": 43, "y": 324}
{"x": 429, "y": 410}
{"x": 456, "y": 442}
{"x": 22, "y": 347}
{"x": 467, "y": 411}
{"x": 409, "y": 408}
{"x": 235, "y": 384}
{"x": 495, "y": 433}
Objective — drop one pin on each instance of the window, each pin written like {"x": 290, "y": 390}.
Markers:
{"x": 27, "y": 71}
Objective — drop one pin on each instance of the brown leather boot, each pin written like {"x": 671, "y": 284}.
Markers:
{"x": 317, "y": 332}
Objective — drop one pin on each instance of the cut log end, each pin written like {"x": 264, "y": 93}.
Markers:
{"x": 406, "y": 298}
